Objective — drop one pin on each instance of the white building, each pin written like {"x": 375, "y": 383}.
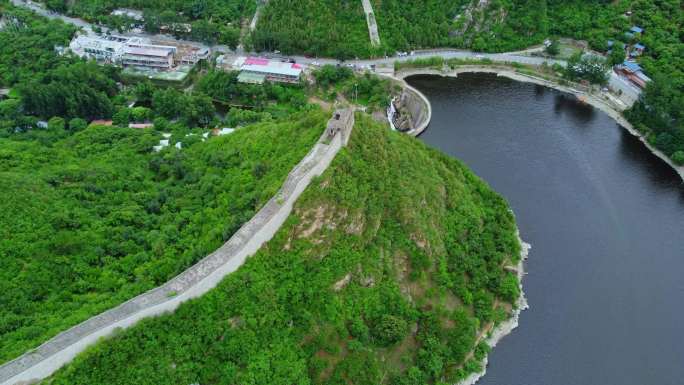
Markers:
{"x": 124, "y": 51}
{"x": 107, "y": 49}
{"x": 130, "y": 13}
{"x": 195, "y": 55}
{"x": 136, "y": 51}
{"x": 148, "y": 55}
{"x": 256, "y": 70}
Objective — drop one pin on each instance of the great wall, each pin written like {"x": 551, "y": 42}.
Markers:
{"x": 41, "y": 362}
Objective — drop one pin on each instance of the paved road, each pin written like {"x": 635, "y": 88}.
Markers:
{"x": 517, "y": 57}
{"x": 629, "y": 92}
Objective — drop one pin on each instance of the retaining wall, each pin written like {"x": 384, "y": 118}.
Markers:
{"x": 418, "y": 105}
{"x": 611, "y": 106}
{"x": 193, "y": 282}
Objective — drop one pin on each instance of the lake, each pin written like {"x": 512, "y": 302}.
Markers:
{"x": 605, "y": 219}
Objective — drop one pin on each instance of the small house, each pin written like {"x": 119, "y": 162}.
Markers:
{"x": 636, "y": 29}
{"x": 140, "y": 125}
{"x": 638, "y": 50}
{"x": 101, "y": 122}
{"x": 631, "y": 67}
{"x": 634, "y": 73}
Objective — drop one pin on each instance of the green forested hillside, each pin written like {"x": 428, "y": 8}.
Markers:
{"x": 390, "y": 266}
{"x": 482, "y": 26}
{"x": 93, "y": 218}
{"x": 211, "y": 21}
{"x": 28, "y": 44}
{"x": 316, "y": 27}
{"x": 338, "y": 28}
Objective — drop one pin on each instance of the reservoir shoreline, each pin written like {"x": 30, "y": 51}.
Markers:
{"x": 603, "y": 215}
{"x": 506, "y": 327}
{"x": 611, "y": 110}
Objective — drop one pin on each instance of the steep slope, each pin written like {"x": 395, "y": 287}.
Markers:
{"x": 390, "y": 268}
{"x": 96, "y": 217}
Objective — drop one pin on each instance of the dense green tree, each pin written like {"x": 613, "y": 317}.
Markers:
{"x": 617, "y": 55}
{"x": 591, "y": 68}
{"x": 389, "y": 329}
{"x": 77, "y": 124}
{"x": 553, "y": 48}
{"x": 678, "y": 157}
{"x": 210, "y": 20}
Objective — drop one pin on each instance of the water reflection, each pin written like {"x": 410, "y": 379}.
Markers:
{"x": 579, "y": 111}
{"x": 659, "y": 173}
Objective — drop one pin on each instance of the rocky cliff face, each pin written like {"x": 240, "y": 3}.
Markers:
{"x": 402, "y": 117}
{"x": 410, "y": 111}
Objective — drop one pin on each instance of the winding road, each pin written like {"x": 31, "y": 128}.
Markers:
{"x": 628, "y": 93}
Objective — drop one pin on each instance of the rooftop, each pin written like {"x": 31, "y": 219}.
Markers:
{"x": 101, "y": 122}
{"x": 140, "y": 125}
{"x": 246, "y": 77}
{"x": 643, "y": 76}
{"x": 632, "y": 66}
{"x": 83, "y": 41}
{"x": 263, "y": 65}
{"x": 132, "y": 13}
{"x": 636, "y": 29}
{"x": 149, "y": 51}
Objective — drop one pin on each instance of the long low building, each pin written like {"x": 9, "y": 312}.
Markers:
{"x": 147, "y": 55}
{"x": 136, "y": 52}
{"x": 256, "y": 70}
{"x": 106, "y": 49}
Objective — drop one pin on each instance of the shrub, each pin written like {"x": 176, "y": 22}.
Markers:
{"x": 678, "y": 158}
{"x": 554, "y": 48}
{"x": 358, "y": 329}
{"x": 77, "y": 124}
{"x": 389, "y": 329}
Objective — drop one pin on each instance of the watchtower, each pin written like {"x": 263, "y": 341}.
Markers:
{"x": 341, "y": 123}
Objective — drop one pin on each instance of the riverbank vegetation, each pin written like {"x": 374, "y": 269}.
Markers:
{"x": 389, "y": 270}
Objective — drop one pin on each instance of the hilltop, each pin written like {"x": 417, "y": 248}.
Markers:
{"x": 391, "y": 269}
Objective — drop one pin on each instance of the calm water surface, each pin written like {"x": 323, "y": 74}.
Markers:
{"x": 606, "y": 222}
